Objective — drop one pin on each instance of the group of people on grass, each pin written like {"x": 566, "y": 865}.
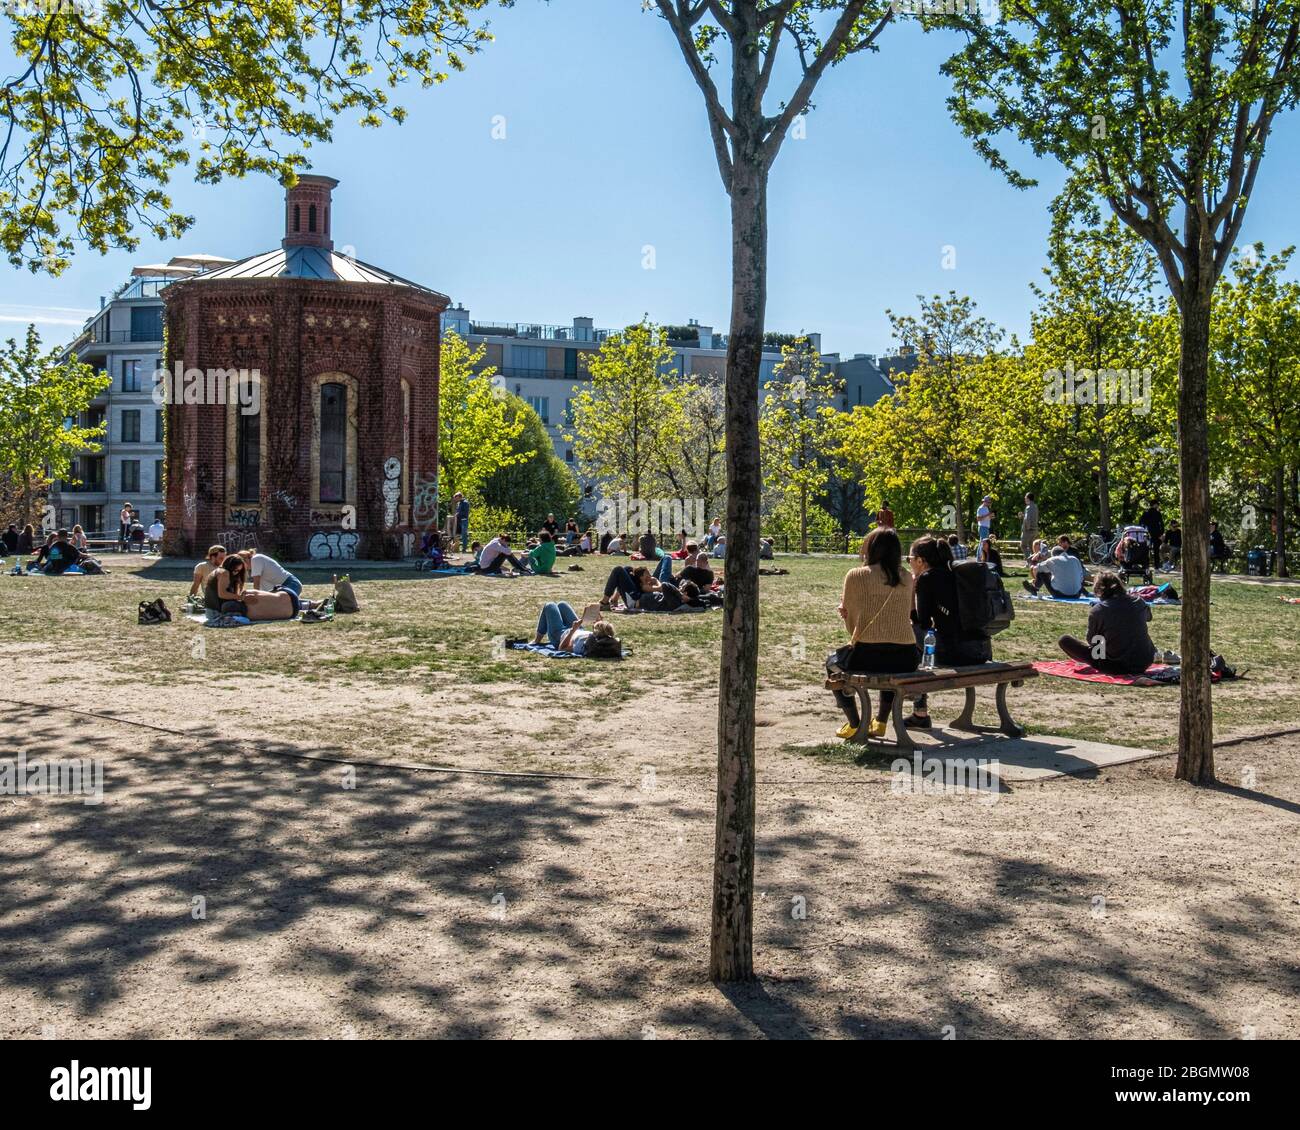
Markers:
{"x": 248, "y": 584}
{"x": 888, "y": 609}
{"x": 61, "y": 551}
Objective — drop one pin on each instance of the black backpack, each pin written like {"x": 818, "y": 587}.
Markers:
{"x": 983, "y": 604}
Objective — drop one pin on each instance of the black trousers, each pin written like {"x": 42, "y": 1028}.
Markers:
{"x": 1081, "y": 652}
{"x": 873, "y": 658}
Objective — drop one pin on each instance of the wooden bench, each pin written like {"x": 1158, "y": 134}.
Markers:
{"x": 912, "y": 683}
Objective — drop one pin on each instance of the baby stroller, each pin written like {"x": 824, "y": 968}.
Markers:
{"x": 431, "y": 552}
{"x": 1133, "y": 554}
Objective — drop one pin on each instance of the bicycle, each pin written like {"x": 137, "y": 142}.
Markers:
{"x": 1101, "y": 551}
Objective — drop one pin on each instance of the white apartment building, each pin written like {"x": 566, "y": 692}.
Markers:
{"x": 123, "y": 339}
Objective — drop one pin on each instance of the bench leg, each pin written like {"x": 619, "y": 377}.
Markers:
{"x": 966, "y": 719}
{"x": 1009, "y": 725}
{"x": 901, "y": 737}
{"x": 865, "y": 713}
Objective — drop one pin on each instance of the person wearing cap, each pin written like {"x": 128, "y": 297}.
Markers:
{"x": 984, "y": 518}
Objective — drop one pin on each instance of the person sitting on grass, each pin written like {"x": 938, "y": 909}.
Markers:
{"x": 11, "y": 539}
{"x": 62, "y": 555}
{"x": 203, "y": 570}
{"x": 1040, "y": 553}
{"x": 766, "y": 549}
{"x": 42, "y": 554}
{"x": 1069, "y": 547}
{"x": 1062, "y": 574}
{"x": 991, "y": 557}
{"x": 617, "y": 544}
{"x": 223, "y": 591}
{"x": 587, "y": 635}
{"x": 698, "y": 571}
{"x": 959, "y": 551}
{"x": 876, "y": 607}
{"x": 26, "y": 540}
{"x": 1119, "y": 642}
{"x": 496, "y": 554}
{"x": 541, "y": 558}
{"x": 79, "y": 539}
{"x": 934, "y": 606}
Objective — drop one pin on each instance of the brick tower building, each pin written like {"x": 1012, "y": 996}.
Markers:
{"x": 302, "y": 412}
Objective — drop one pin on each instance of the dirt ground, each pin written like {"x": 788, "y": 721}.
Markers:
{"x": 423, "y": 903}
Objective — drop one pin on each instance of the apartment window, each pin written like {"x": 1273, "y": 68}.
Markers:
{"x": 130, "y": 476}
{"x": 568, "y": 455}
{"x": 131, "y": 425}
{"x": 158, "y": 425}
{"x": 130, "y": 376}
{"x": 333, "y": 441}
{"x": 248, "y": 449}
{"x": 542, "y": 406}
{"x": 158, "y": 476}
{"x": 570, "y": 362}
{"x": 146, "y": 323}
{"x": 531, "y": 357}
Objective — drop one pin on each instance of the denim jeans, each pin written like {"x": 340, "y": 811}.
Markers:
{"x": 623, "y": 582}
{"x": 290, "y": 584}
{"x": 555, "y": 620}
{"x": 664, "y": 570}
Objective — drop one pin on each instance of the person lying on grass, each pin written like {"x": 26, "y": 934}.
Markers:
{"x": 1119, "y": 642}
{"x": 698, "y": 571}
{"x": 227, "y": 591}
{"x": 587, "y": 635}
{"x": 632, "y": 585}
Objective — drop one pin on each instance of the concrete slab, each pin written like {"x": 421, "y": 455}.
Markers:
{"x": 1036, "y": 758}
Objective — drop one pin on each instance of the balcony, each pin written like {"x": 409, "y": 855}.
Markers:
{"x": 535, "y": 331}
{"x": 124, "y": 337}
{"x": 542, "y": 375}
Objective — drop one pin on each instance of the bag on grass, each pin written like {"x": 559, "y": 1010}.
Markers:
{"x": 345, "y": 597}
{"x": 983, "y": 604}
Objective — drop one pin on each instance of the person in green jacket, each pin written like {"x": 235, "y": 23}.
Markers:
{"x": 542, "y": 555}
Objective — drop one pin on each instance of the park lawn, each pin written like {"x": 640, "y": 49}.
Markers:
{"x": 438, "y": 640}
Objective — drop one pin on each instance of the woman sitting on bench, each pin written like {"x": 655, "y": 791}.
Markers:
{"x": 935, "y": 606}
{"x": 1119, "y": 642}
{"x": 876, "y": 607}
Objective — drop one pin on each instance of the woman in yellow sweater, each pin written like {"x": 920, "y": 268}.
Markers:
{"x": 877, "y": 611}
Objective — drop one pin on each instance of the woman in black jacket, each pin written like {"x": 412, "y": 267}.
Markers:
{"x": 1119, "y": 642}
{"x": 935, "y": 606}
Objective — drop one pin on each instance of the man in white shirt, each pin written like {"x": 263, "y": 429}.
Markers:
{"x": 155, "y": 533}
{"x": 1062, "y": 574}
{"x": 496, "y": 553}
{"x": 984, "y": 519}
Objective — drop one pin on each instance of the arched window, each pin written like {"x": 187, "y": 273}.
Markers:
{"x": 333, "y": 442}
{"x": 296, "y": 209}
{"x": 311, "y": 217}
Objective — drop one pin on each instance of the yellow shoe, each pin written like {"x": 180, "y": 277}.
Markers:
{"x": 877, "y": 729}
{"x": 848, "y": 730}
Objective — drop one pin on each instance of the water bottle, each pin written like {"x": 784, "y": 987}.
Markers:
{"x": 931, "y": 640}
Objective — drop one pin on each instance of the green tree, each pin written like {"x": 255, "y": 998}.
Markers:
{"x": 1101, "y": 355}
{"x": 747, "y": 138}
{"x": 40, "y": 398}
{"x": 796, "y": 427}
{"x": 691, "y": 461}
{"x": 109, "y": 94}
{"x": 477, "y": 428}
{"x": 1255, "y": 377}
{"x": 1162, "y": 110}
{"x": 538, "y": 485}
{"x": 628, "y": 415}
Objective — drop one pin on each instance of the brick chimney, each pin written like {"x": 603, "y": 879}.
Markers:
{"x": 307, "y": 213}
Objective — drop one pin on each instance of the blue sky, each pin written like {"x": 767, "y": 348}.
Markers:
{"x": 607, "y": 151}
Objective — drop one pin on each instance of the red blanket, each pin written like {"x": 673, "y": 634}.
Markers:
{"x": 1070, "y": 669}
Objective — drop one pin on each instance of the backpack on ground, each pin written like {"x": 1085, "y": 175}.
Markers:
{"x": 154, "y": 612}
{"x": 345, "y": 597}
{"x": 983, "y": 604}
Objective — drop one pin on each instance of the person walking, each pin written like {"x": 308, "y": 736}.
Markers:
{"x": 1029, "y": 526}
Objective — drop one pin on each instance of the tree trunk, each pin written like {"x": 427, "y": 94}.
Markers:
{"x": 1103, "y": 482}
{"x": 803, "y": 521}
{"x": 958, "y": 520}
{"x": 1196, "y": 710}
{"x": 731, "y": 956}
{"x": 1279, "y": 510}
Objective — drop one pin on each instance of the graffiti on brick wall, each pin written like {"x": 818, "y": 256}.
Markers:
{"x": 335, "y": 545}
{"x": 235, "y": 540}
{"x": 392, "y": 490}
{"x": 425, "y": 514}
{"x": 246, "y": 516}
{"x": 191, "y": 506}
{"x": 345, "y": 517}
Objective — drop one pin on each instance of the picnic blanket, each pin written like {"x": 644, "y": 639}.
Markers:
{"x": 1289, "y": 599}
{"x": 1150, "y": 594}
{"x": 1058, "y": 599}
{"x": 541, "y": 649}
{"x": 1157, "y": 675}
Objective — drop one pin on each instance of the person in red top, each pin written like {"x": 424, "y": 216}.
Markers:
{"x": 885, "y": 516}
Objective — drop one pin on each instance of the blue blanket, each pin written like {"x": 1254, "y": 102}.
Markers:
{"x": 544, "y": 649}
